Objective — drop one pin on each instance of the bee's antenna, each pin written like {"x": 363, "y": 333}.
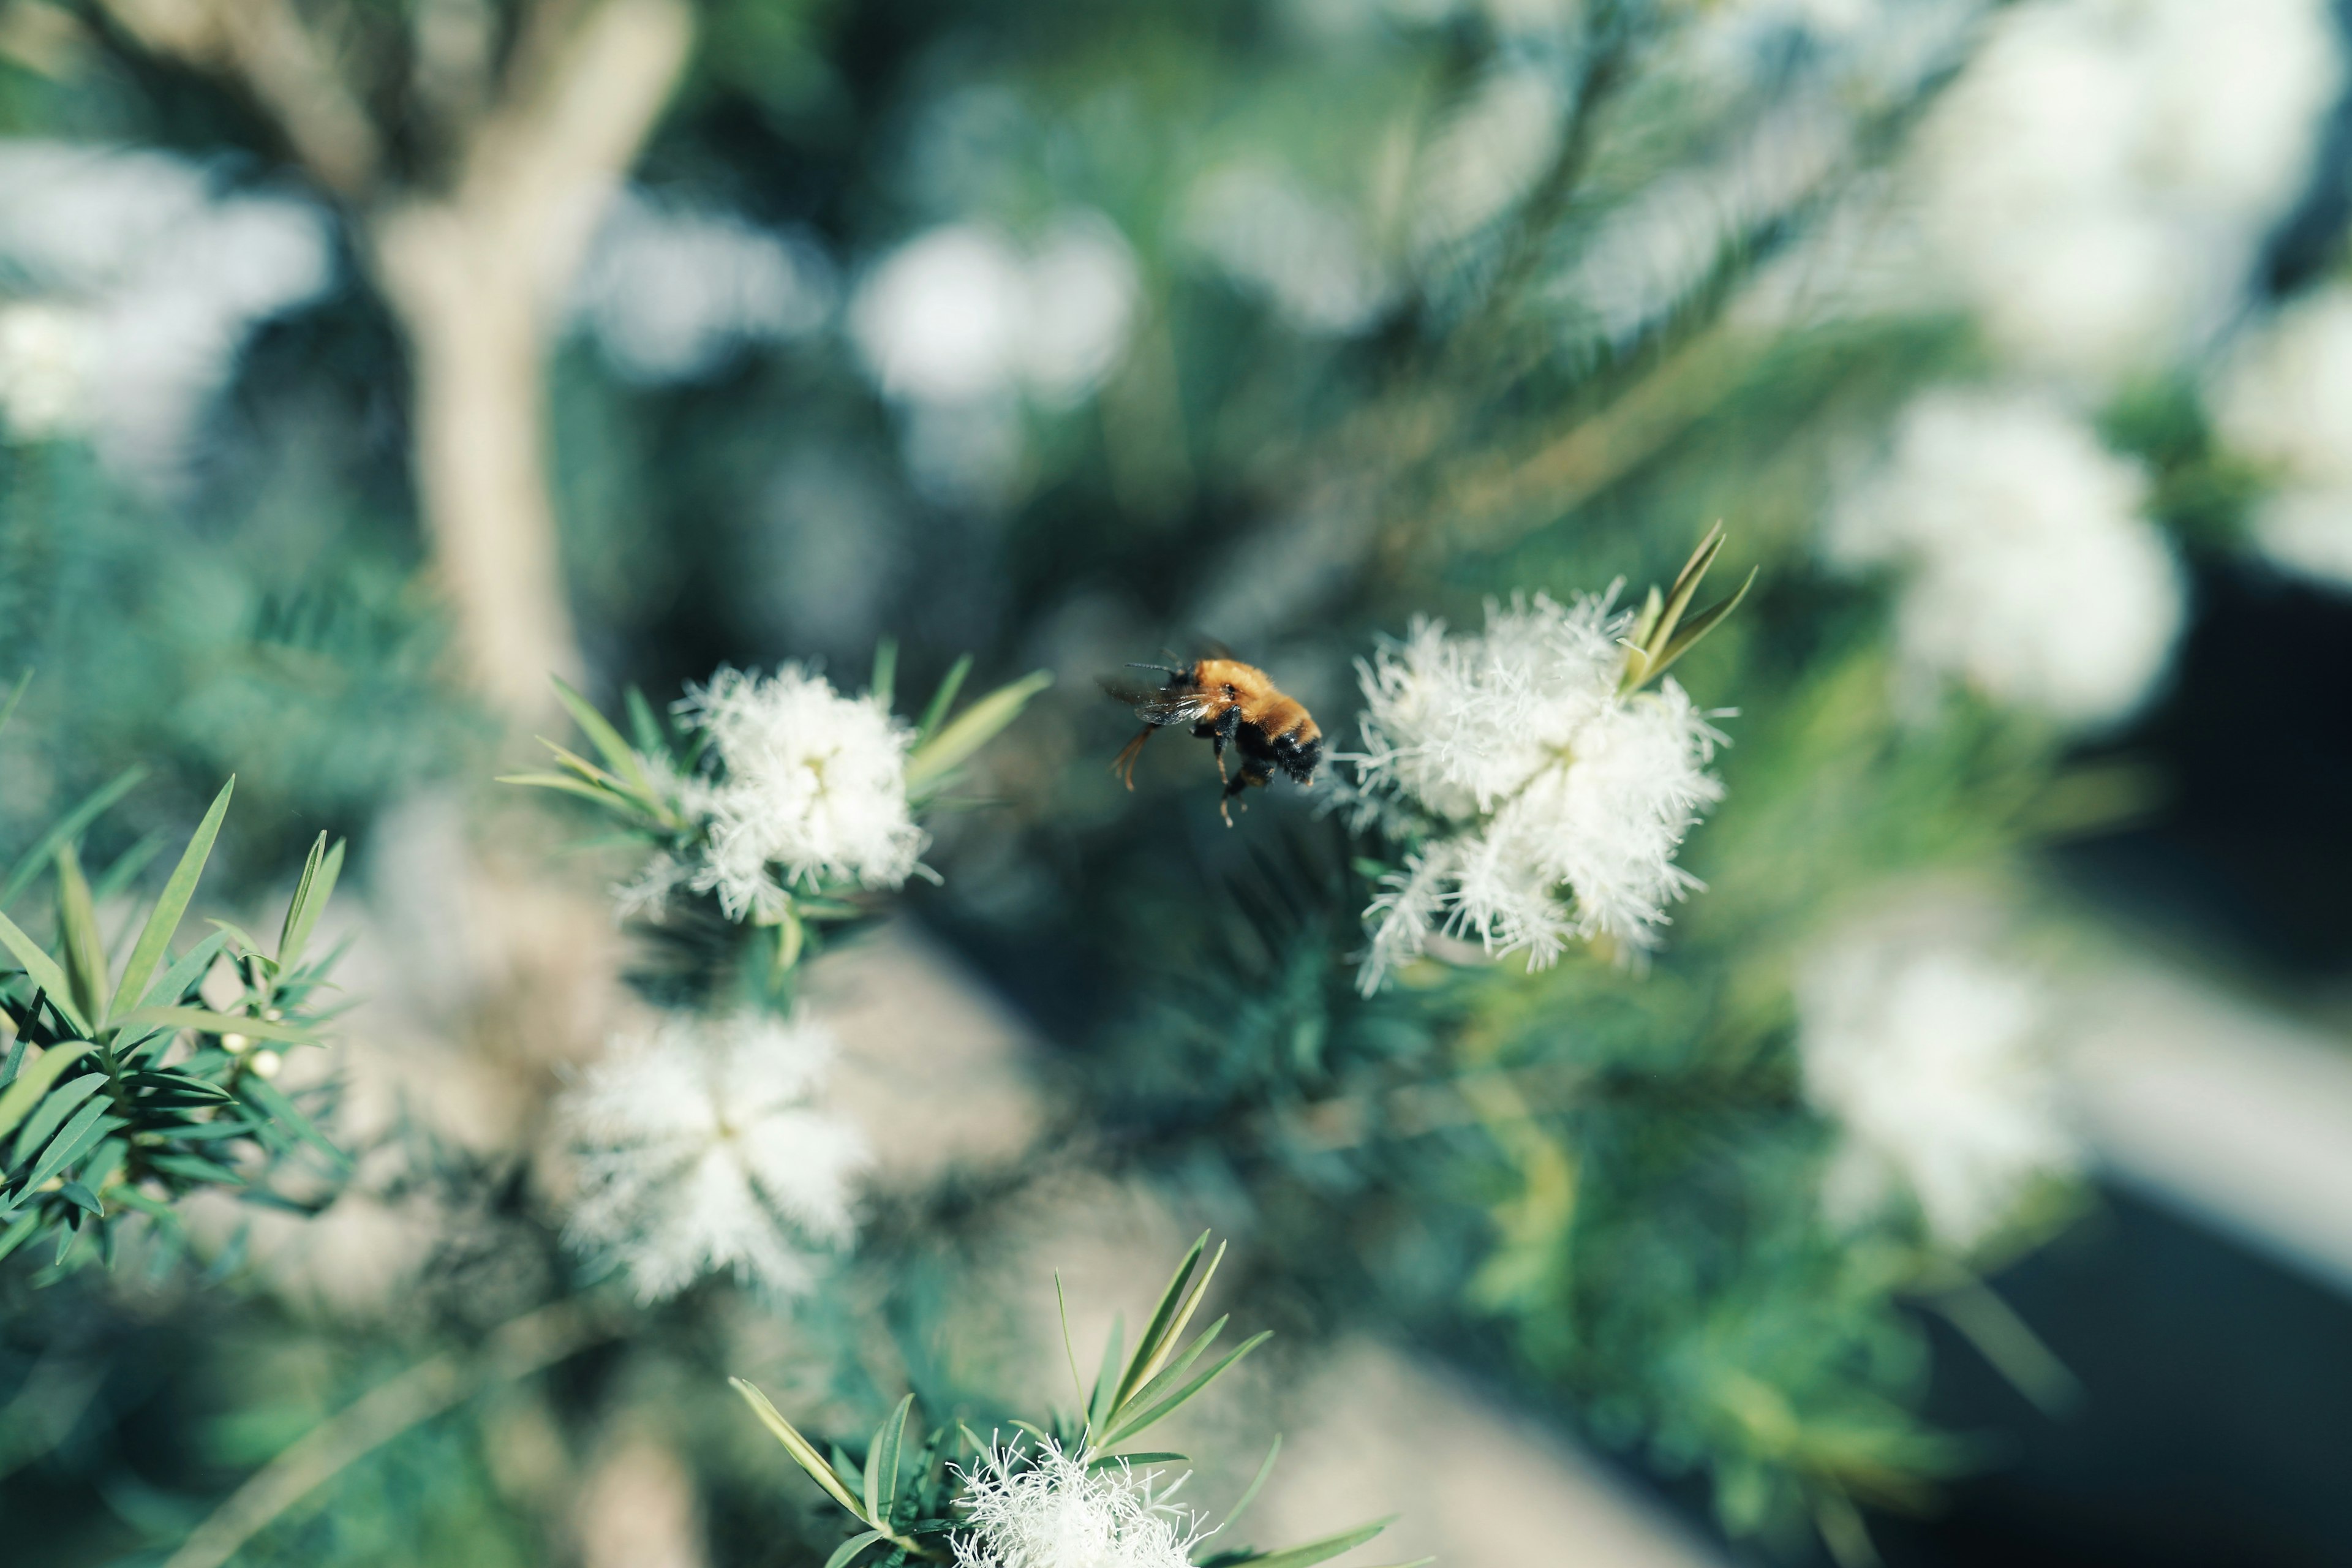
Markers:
{"x": 1162, "y": 669}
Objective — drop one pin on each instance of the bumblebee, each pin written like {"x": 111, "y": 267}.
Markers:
{"x": 1225, "y": 702}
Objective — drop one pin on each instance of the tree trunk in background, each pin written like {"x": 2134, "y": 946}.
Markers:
{"x": 478, "y": 278}
{"x": 476, "y": 267}
{"x": 477, "y": 348}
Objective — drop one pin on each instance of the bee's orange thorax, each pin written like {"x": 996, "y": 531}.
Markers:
{"x": 1261, "y": 704}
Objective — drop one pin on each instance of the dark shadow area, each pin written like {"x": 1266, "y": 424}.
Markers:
{"x": 2214, "y": 1428}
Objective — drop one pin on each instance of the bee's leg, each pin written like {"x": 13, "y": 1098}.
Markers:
{"x": 1124, "y": 763}
{"x": 1221, "y": 734}
{"x": 1254, "y": 771}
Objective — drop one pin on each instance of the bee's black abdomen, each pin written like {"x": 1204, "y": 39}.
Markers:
{"x": 1298, "y": 758}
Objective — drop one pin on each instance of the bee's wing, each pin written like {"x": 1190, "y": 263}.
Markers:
{"x": 1157, "y": 704}
{"x": 1214, "y": 647}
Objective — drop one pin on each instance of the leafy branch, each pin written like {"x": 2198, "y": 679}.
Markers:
{"x": 122, "y": 1090}
{"x": 904, "y": 1493}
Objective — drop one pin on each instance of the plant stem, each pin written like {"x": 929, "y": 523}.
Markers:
{"x": 517, "y": 1349}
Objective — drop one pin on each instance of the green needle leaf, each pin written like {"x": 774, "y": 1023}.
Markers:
{"x": 212, "y": 1023}
{"x": 163, "y": 921}
{"x": 67, "y": 829}
{"x": 1170, "y": 1375}
{"x": 79, "y": 1135}
{"x": 882, "y": 1462}
{"x": 943, "y": 699}
{"x": 1321, "y": 1551}
{"x": 1106, "y": 1381}
{"x": 973, "y": 729}
{"x": 1107, "y": 1461}
{"x": 176, "y": 980}
{"x": 1069, "y": 1350}
{"x": 78, "y": 923}
{"x": 319, "y": 873}
{"x": 266, "y": 1097}
{"x": 44, "y": 971}
{"x": 31, "y": 1085}
{"x": 1132, "y": 1425}
{"x": 798, "y": 1447}
{"x": 616, "y": 752}
{"x": 1171, "y": 1300}
{"x": 1257, "y": 1483}
{"x": 844, "y": 1554}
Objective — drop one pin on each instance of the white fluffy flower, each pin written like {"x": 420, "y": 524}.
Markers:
{"x": 700, "y": 1151}
{"x": 813, "y": 789}
{"x": 961, "y": 312}
{"x": 2103, "y": 175}
{"x": 1928, "y": 1057}
{"x": 2029, "y": 571}
{"x": 672, "y": 290}
{"x": 1053, "y": 1511}
{"x": 163, "y": 270}
{"x": 2285, "y": 399}
{"x": 1561, "y": 804}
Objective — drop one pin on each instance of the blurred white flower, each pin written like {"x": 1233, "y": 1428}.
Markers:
{"x": 1307, "y": 257}
{"x": 1668, "y": 240}
{"x": 45, "y": 365}
{"x": 1560, "y": 804}
{"x": 1490, "y": 148}
{"x": 961, "y": 314}
{"x": 2103, "y": 175}
{"x": 2026, "y": 568}
{"x": 1929, "y": 1058}
{"x": 2285, "y": 399}
{"x": 700, "y": 1151}
{"x": 813, "y": 787}
{"x": 1049, "y": 1509}
{"x": 670, "y": 292}
{"x": 167, "y": 276}
{"x": 645, "y": 895}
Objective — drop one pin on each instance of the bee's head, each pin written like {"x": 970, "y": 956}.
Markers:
{"x": 1298, "y": 758}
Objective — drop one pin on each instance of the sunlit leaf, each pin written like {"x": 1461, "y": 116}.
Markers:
{"x": 970, "y": 729}
{"x": 798, "y": 1447}
{"x": 54, "y": 1107}
{"x": 164, "y": 921}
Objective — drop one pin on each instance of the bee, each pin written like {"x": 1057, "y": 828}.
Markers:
{"x": 1226, "y": 702}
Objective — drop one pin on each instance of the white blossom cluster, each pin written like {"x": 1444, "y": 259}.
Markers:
{"x": 673, "y": 291}
{"x": 810, "y": 788}
{"x": 963, "y": 324}
{"x": 139, "y": 275}
{"x": 1056, "y": 1511}
{"x": 1557, "y": 805}
{"x": 1929, "y": 1058}
{"x": 2028, "y": 570}
{"x": 699, "y": 1149}
{"x": 964, "y": 311}
{"x": 2285, "y": 400}
{"x": 2103, "y": 175}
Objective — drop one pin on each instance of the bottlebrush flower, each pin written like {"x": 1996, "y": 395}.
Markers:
{"x": 700, "y": 1150}
{"x": 1928, "y": 1057}
{"x": 811, "y": 787}
{"x": 2028, "y": 569}
{"x": 1050, "y": 1509}
{"x": 1550, "y": 804}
